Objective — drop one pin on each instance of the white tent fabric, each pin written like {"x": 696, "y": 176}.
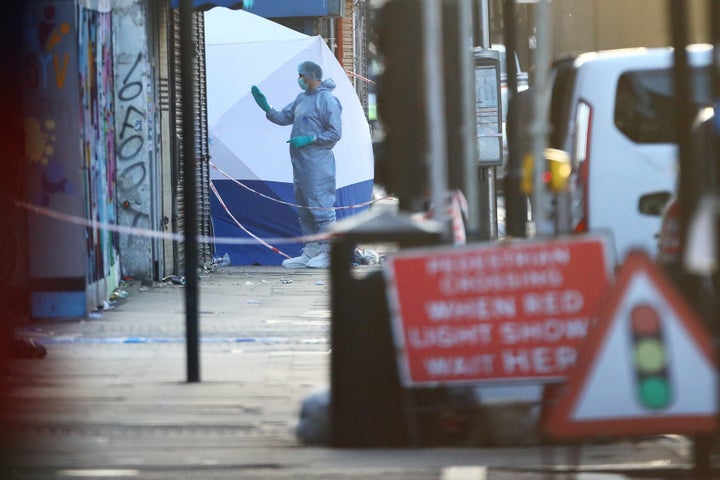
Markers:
{"x": 242, "y": 50}
{"x": 236, "y": 26}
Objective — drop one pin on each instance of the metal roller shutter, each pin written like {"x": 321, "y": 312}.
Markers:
{"x": 202, "y": 171}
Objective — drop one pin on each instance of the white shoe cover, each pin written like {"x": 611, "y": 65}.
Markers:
{"x": 321, "y": 260}
{"x": 309, "y": 251}
{"x": 296, "y": 262}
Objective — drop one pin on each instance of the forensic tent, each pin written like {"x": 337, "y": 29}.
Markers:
{"x": 253, "y": 209}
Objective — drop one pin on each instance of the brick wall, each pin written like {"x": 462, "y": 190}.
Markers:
{"x": 346, "y": 23}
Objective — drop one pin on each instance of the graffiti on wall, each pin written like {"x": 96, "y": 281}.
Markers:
{"x": 132, "y": 159}
{"x": 95, "y": 66}
{"x": 47, "y": 58}
{"x": 136, "y": 146}
{"x": 50, "y": 58}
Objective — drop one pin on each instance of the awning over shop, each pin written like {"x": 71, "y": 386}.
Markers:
{"x": 274, "y": 8}
{"x": 207, "y": 5}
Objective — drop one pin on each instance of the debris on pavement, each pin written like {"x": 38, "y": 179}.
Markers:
{"x": 365, "y": 256}
{"x": 27, "y": 348}
{"x": 175, "y": 279}
{"x": 313, "y": 428}
{"x": 118, "y": 294}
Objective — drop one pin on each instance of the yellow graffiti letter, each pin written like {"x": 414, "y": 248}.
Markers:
{"x": 60, "y": 72}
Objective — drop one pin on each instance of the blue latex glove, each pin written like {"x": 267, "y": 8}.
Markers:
{"x": 260, "y": 98}
{"x": 302, "y": 141}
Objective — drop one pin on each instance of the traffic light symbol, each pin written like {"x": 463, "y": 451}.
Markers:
{"x": 555, "y": 177}
{"x": 650, "y": 358}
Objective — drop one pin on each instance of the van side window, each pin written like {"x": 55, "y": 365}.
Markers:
{"x": 645, "y": 109}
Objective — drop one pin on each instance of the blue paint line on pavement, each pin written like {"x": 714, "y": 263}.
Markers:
{"x": 151, "y": 340}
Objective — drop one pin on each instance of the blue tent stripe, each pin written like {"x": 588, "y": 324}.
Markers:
{"x": 267, "y": 219}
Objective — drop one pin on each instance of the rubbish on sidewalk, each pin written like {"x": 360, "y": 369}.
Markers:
{"x": 118, "y": 294}
{"x": 365, "y": 256}
{"x": 27, "y": 348}
{"x": 225, "y": 261}
{"x": 175, "y": 279}
{"x": 217, "y": 262}
{"x": 445, "y": 417}
{"x": 313, "y": 428}
{"x": 210, "y": 266}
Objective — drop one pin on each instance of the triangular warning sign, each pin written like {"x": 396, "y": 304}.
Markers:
{"x": 646, "y": 368}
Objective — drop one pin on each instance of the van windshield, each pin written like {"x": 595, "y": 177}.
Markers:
{"x": 645, "y": 109}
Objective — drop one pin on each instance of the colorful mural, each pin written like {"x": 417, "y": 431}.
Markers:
{"x": 95, "y": 62}
{"x": 69, "y": 121}
{"x": 46, "y": 68}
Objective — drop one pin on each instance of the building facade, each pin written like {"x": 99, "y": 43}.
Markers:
{"x": 102, "y": 116}
{"x": 102, "y": 196}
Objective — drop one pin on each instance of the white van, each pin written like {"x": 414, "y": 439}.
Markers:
{"x": 614, "y": 113}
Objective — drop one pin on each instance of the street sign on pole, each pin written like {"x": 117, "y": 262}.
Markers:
{"x": 433, "y": 82}
{"x": 647, "y": 368}
{"x": 541, "y": 200}
{"x": 487, "y": 194}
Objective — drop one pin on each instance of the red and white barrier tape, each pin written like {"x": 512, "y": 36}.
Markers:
{"x": 457, "y": 210}
{"x": 364, "y": 79}
{"x": 178, "y": 237}
{"x": 282, "y": 202}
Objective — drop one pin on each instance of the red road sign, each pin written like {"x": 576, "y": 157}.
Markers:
{"x": 511, "y": 311}
{"x": 647, "y": 368}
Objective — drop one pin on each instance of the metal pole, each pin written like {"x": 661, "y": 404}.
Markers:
{"x": 485, "y": 23}
{"x": 467, "y": 72}
{"x": 712, "y": 316}
{"x": 187, "y": 54}
{"x": 515, "y": 199}
{"x": 486, "y": 180}
{"x": 509, "y": 34}
{"x": 435, "y": 111}
{"x": 541, "y": 198}
{"x": 687, "y": 190}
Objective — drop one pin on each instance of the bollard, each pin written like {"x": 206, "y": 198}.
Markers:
{"x": 366, "y": 394}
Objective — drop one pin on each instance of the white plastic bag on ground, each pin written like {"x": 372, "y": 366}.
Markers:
{"x": 314, "y": 425}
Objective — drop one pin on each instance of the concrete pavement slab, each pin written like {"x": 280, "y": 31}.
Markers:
{"x": 113, "y": 390}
